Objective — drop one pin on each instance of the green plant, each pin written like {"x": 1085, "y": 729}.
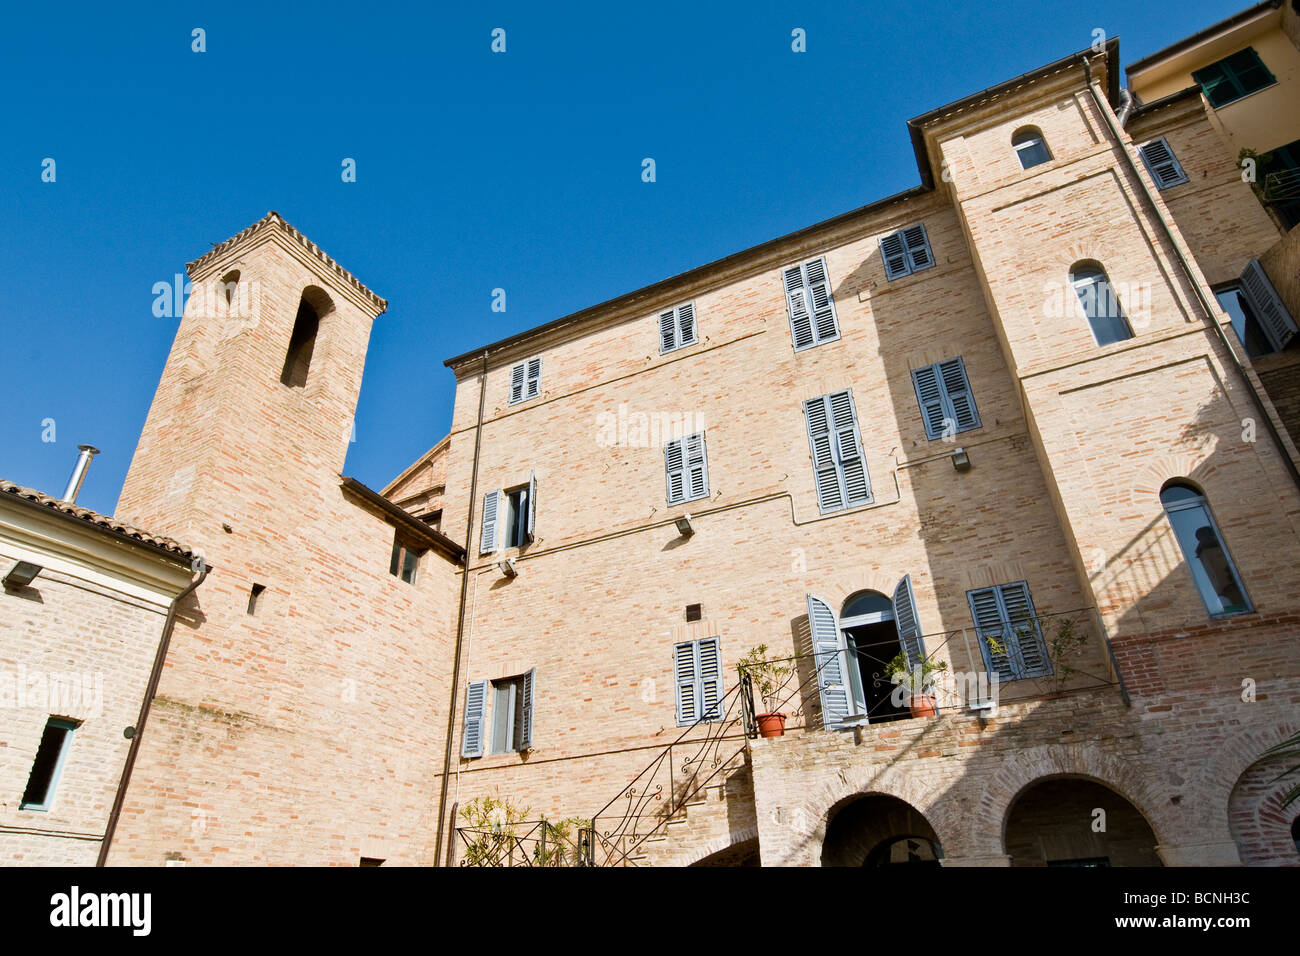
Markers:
{"x": 492, "y": 828}
{"x": 768, "y": 676}
{"x": 919, "y": 677}
{"x": 1287, "y": 748}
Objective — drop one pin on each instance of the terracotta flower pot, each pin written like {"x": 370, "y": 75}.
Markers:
{"x": 771, "y": 725}
{"x": 922, "y": 705}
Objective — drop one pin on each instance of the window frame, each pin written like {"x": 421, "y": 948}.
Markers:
{"x": 1015, "y": 651}
{"x": 678, "y": 340}
{"x": 1031, "y": 137}
{"x": 804, "y": 290}
{"x": 697, "y": 681}
{"x": 528, "y": 376}
{"x": 686, "y": 463}
{"x": 945, "y": 398}
{"x": 835, "y": 448}
{"x": 69, "y": 727}
{"x": 908, "y": 251}
{"x": 1232, "y": 76}
{"x": 1201, "y": 501}
{"x": 405, "y": 555}
{"x": 1096, "y": 271}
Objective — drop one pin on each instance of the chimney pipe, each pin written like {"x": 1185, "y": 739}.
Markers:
{"x": 79, "y": 472}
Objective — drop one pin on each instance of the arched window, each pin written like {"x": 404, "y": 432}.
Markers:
{"x": 1203, "y": 548}
{"x": 1100, "y": 303}
{"x": 227, "y": 288}
{"x": 1031, "y": 147}
{"x": 297, "y": 361}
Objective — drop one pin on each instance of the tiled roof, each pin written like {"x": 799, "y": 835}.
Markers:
{"x": 95, "y": 518}
{"x": 273, "y": 220}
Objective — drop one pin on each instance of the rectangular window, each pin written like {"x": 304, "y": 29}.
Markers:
{"x": 943, "y": 392}
{"x": 677, "y": 327}
{"x": 810, "y": 304}
{"x": 687, "y": 470}
{"x": 406, "y": 559}
{"x": 839, "y": 466}
{"x": 1101, "y": 305}
{"x": 1009, "y": 633}
{"x": 525, "y": 381}
{"x": 1279, "y": 171}
{"x": 906, "y": 251}
{"x": 1161, "y": 163}
{"x": 697, "y": 672}
{"x": 1202, "y": 545}
{"x": 512, "y": 714}
{"x": 1233, "y": 77}
{"x": 51, "y": 755}
{"x": 1274, "y": 321}
{"x": 509, "y": 517}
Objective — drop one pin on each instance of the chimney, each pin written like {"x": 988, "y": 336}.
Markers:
{"x": 79, "y": 472}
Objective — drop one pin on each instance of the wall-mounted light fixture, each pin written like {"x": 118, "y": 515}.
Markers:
{"x": 507, "y": 567}
{"x": 684, "y": 527}
{"x": 961, "y": 460}
{"x": 21, "y": 575}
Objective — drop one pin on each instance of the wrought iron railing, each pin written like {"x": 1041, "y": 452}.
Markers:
{"x": 523, "y": 843}
{"x": 1282, "y": 185}
{"x": 701, "y": 756}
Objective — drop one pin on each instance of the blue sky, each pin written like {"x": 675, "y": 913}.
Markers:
{"x": 475, "y": 170}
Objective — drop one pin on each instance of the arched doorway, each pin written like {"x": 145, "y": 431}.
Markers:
{"x": 1071, "y": 821}
{"x": 871, "y": 635}
{"x": 744, "y": 853}
{"x": 1265, "y": 829}
{"x": 879, "y": 830}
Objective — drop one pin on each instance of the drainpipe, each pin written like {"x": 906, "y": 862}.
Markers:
{"x": 1208, "y": 309}
{"x": 154, "y": 676}
{"x": 1125, "y": 107}
{"x": 460, "y": 618}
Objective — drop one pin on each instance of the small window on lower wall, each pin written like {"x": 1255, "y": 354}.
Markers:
{"x": 406, "y": 560}
{"x": 52, "y": 753}
{"x": 1202, "y": 546}
{"x": 503, "y": 708}
{"x": 371, "y": 861}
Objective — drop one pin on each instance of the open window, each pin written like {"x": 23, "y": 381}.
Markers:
{"x": 509, "y": 517}
{"x": 312, "y": 307}
{"x": 499, "y": 713}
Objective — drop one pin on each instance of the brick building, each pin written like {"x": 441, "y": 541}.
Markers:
{"x": 1024, "y": 430}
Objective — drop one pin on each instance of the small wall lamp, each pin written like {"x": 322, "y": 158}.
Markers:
{"x": 684, "y": 526}
{"x": 21, "y": 575}
{"x": 961, "y": 460}
{"x": 507, "y": 567}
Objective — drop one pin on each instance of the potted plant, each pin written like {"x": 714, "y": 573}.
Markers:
{"x": 768, "y": 678}
{"x": 919, "y": 680}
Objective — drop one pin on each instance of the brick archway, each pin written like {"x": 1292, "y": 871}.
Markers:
{"x": 1218, "y": 778}
{"x": 1260, "y": 825}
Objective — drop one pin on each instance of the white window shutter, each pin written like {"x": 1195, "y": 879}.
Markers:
{"x": 525, "y": 712}
{"x": 848, "y": 449}
{"x": 686, "y": 324}
{"x": 675, "y": 470}
{"x": 830, "y": 493}
{"x": 530, "y": 527}
{"x": 696, "y": 466}
{"x": 668, "y": 330}
{"x": 491, "y": 510}
{"x": 1267, "y": 305}
{"x": 1161, "y": 163}
{"x": 831, "y": 658}
{"x": 801, "y": 321}
{"x": 475, "y": 714}
{"x": 822, "y": 303}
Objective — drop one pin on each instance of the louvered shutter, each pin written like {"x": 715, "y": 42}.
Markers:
{"x": 675, "y": 470}
{"x": 848, "y": 448}
{"x": 517, "y": 382}
{"x": 986, "y": 610}
{"x": 491, "y": 507}
{"x": 667, "y": 330}
{"x": 894, "y": 255}
{"x": 708, "y": 671}
{"x": 801, "y": 322}
{"x": 830, "y": 495}
{"x": 929, "y": 395}
{"x": 1031, "y": 649}
{"x": 1267, "y": 305}
{"x": 696, "y": 466}
{"x": 956, "y": 388}
{"x": 684, "y": 675}
{"x": 475, "y": 713}
{"x": 824, "y": 323}
{"x": 831, "y": 658}
{"x": 525, "y": 712}
{"x": 532, "y": 507}
{"x": 1161, "y": 163}
{"x": 909, "y": 627}
{"x": 534, "y": 385}
{"x": 918, "y": 248}
{"x": 686, "y": 324}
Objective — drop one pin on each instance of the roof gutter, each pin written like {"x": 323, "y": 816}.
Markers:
{"x": 404, "y": 520}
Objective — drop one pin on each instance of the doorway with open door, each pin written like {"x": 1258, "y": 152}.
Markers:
{"x": 871, "y": 638}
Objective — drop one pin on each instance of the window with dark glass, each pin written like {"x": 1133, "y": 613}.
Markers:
{"x": 1030, "y": 147}
{"x": 406, "y": 559}
{"x": 1250, "y": 331}
{"x": 50, "y": 757}
{"x": 1233, "y": 77}
{"x": 1204, "y": 550}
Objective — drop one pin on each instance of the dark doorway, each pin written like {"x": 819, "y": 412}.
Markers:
{"x": 871, "y": 635}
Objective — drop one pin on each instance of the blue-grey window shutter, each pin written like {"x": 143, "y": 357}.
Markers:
{"x": 929, "y": 395}
{"x": 918, "y": 248}
{"x": 675, "y": 470}
{"x": 491, "y": 507}
{"x": 525, "y": 713}
{"x": 1031, "y": 649}
{"x": 909, "y": 627}
{"x": 894, "y": 255}
{"x": 956, "y": 390}
{"x": 684, "y": 675}
{"x": 1278, "y": 324}
{"x": 534, "y": 385}
{"x": 517, "y": 383}
{"x": 686, "y": 324}
{"x": 667, "y": 330}
{"x": 530, "y": 528}
{"x": 830, "y": 495}
{"x": 475, "y": 714}
{"x": 1161, "y": 163}
{"x": 708, "y": 668}
{"x": 796, "y": 296}
{"x": 986, "y": 611}
{"x": 832, "y": 661}
{"x": 696, "y": 466}
{"x": 825, "y": 324}
{"x": 848, "y": 449}
{"x": 1006, "y": 614}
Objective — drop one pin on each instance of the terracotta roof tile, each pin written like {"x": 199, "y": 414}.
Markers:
{"x": 94, "y": 517}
